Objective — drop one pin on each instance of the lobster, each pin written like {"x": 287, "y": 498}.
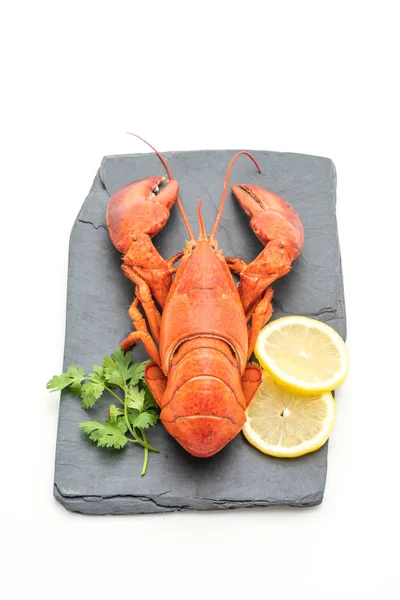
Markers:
{"x": 201, "y": 343}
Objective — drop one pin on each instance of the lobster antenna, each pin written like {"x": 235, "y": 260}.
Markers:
{"x": 228, "y": 172}
{"x": 164, "y": 162}
{"x": 202, "y": 229}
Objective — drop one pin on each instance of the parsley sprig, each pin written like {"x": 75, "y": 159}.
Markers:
{"x": 137, "y": 411}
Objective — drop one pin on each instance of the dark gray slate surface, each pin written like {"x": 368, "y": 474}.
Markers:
{"x": 98, "y": 481}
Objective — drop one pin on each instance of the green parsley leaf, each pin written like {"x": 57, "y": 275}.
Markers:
{"x": 149, "y": 400}
{"x": 114, "y": 377}
{"x": 90, "y": 392}
{"x": 112, "y": 373}
{"x": 118, "y": 370}
{"x": 114, "y": 411}
{"x": 136, "y": 398}
{"x": 136, "y": 372}
{"x": 144, "y": 420}
{"x": 76, "y": 389}
{"x": 98, "y": 374}
{"x": 121, "y": 424}
{"x": 106, "y": 435}
{"x": 122, "y": 361}
{"x": 73, "y": 376}
{"x": 107, "y": 362}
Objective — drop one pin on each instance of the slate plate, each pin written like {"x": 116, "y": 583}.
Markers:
{"x": 98, "y": 481}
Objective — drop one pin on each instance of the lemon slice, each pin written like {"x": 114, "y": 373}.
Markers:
{"x": 303, "y": 354}
{"x": 285, "y": 424}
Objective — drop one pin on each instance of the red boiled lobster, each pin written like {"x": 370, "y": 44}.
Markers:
{"x": 201, "y": 342}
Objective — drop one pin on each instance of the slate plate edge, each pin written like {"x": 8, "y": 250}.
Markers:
{"x": 97, "y": 505}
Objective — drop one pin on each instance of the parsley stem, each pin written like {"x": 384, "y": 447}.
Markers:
{"x": 147, "y": 446}
{"x": 129, "y": 426}
{"x": 145, "y": 461}
{"x": 146, "y": 452}
{"x": 113, "y": 394}
{"x": 132, "y": 429}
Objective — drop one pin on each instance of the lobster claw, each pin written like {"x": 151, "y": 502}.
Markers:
{"x": 278, "y": 227}
{"x": 136, "y": 208}
{"x": 272, "y": 217}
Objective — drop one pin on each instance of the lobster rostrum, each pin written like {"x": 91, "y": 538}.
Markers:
{"x": 201, "y": 342}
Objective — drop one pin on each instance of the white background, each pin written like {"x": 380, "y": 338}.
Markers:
{"x": 310, "y": 77}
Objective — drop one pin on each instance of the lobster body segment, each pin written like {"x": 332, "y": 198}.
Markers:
{"x": 203, "y": 404}
{"x": 201, "y": 343}
{"x": 203, "y": 301}
{"x": 203, "y": 400}
{"x": 203, "y": 350}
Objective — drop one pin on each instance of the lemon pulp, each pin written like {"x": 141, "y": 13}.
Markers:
{"x": 302, "y": 353}
{"x": 282, "y": 423}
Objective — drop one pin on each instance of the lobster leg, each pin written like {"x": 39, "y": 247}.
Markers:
{"x": 143, "y": 257}
{"x": 260, "y": 316}
{"x": 141, "y": 334}
{"x": 271, "y": 264}
{"x": 251, "y": 380}
{"x": 236, "y": 265}
{"x": 148, "y": 343}
{"x": 143, "y": 294}
{"x": 156, "y": 381}
{"x": 262, "y": 311}
{"x": 171, "y": 261}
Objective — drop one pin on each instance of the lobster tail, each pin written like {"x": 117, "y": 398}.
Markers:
{"x": 203, "y": 406}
